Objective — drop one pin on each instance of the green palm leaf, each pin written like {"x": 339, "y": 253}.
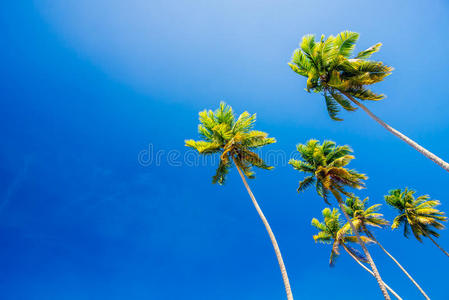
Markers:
{"x": 368, "y": 52}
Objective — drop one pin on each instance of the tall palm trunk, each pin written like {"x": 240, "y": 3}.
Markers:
{"x": 399, "y": 265}
{"x": 409, "y": 141}
{"x": 362, "y": 244}
{"x": 371, "y": 272}
{"x": 272, "y": 237}
{"x": 444, "y": 251}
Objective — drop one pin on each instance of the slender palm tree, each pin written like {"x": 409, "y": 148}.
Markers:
{"x": 235, "y": 141}
{"x": 418, "y": 214}
{"x": 330, "y": 70}
{"x": 331, "y": 231}
{"x": 326, "y": 163}
{"x": 363, "y": 217}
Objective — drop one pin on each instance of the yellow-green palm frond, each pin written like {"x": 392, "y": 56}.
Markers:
{"x": 364, "y": 72}
{"x": 342, "y": 176}
{"x": 322, "y": 237}
{"x": 224, "y": 115}
{"x": 321, "y": 191}
{"x": 368, "y": 52}
{"x": 300, "y": 63}
{"x": 318, "y": 225}
{"x": 341, "y": 161}
{"x": 306, "y": 183}
{"x": 207, "y": 119}
{"x": 329, "y": 227}
{"x": 338, "y": 152}
{"x": 246, "y": 167}
{"x": 222, "y": 132}
{"x": 204, "y": 147}
{"x": 342, "y": 101}
{"x": 332, "y": 107}
{"x": 365, "y": 94}
{"x": 333, "y": 258}
{"x": 345, "y": 43}
{"x": 342, "y": 234}
{"x": 253, "y": 159}
{"x": 255, "y": 139}
{"x": 306, "y": 150}
{"x": 301, "y": 166}
{"x": 221, "y": 172}
{"x": 244, "y": 123}
{"x": 307, "y": 45}
{"x": 353, "y": 239}
{"x": 398, "y": 221}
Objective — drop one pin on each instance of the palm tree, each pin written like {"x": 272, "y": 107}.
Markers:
{"x": 326, "y": 163}
{"x": 235, "y": 140}
{"x": 363, "y": 217}
{"x": 419, "y": 214}
{"x": 330, "y": 70}
{"x": 331, "y": 231}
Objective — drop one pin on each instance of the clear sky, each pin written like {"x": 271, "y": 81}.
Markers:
{"x": 88, "y": 85}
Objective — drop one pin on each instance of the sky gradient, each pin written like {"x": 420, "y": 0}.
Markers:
{"x": 89, "y": 86}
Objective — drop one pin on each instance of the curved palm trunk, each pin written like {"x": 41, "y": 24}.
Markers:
{"x": 409, "y": 141}
{"x": 444, "y": 251}
{"x": 362, "y": 244}
{"x": 272, "y": 237}
{"x": 371, "y": 272}
{"x": 399, "y": 265}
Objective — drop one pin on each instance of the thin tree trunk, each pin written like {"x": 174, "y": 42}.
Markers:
{"x": 371, "y": 272}
{"x": 362, "y": 244}
{"x": 272, "y": 237}
{"x": 444, "y": 251}
{"x": 403, "y": 137}
{"x": 399, "y": 265}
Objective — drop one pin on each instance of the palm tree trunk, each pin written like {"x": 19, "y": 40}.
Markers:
{"x": 409, "y": 141}
{"x": 272, "y": 237}
{"x": 362, "y": 244}
{"x": 444, "y": 251}
{"x": 399, "y": 265}
{"x": 371, "y": 272}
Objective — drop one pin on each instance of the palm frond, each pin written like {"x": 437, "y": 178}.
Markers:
{"x": 244, "y": 123}
{"x": 368, "y": 52}
{"x": 306, "y": 183}
{"x": 254, "y": 159}
{"x": 301, "y": 166}
{"x": 203, "y": 147}
{"x": 332, "y": 107}
{"x": 345, "y": 43}
{"x": 221, "y": 172}
{"x": 365, "y": 94}
{"x": 343, "y": 101}
{"x": 307, "y": 45}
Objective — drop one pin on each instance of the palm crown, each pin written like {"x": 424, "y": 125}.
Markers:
{"x": 331, "y": 231}
{"x": 326, "y": 165}
{"x": 362, "y": 216}
{"x": 233, "y": 138}
{"x": 419, "y": 213}
{"x": 330, "y": 70}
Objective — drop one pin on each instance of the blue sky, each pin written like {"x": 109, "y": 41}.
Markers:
{"x": 88, "y": 85}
